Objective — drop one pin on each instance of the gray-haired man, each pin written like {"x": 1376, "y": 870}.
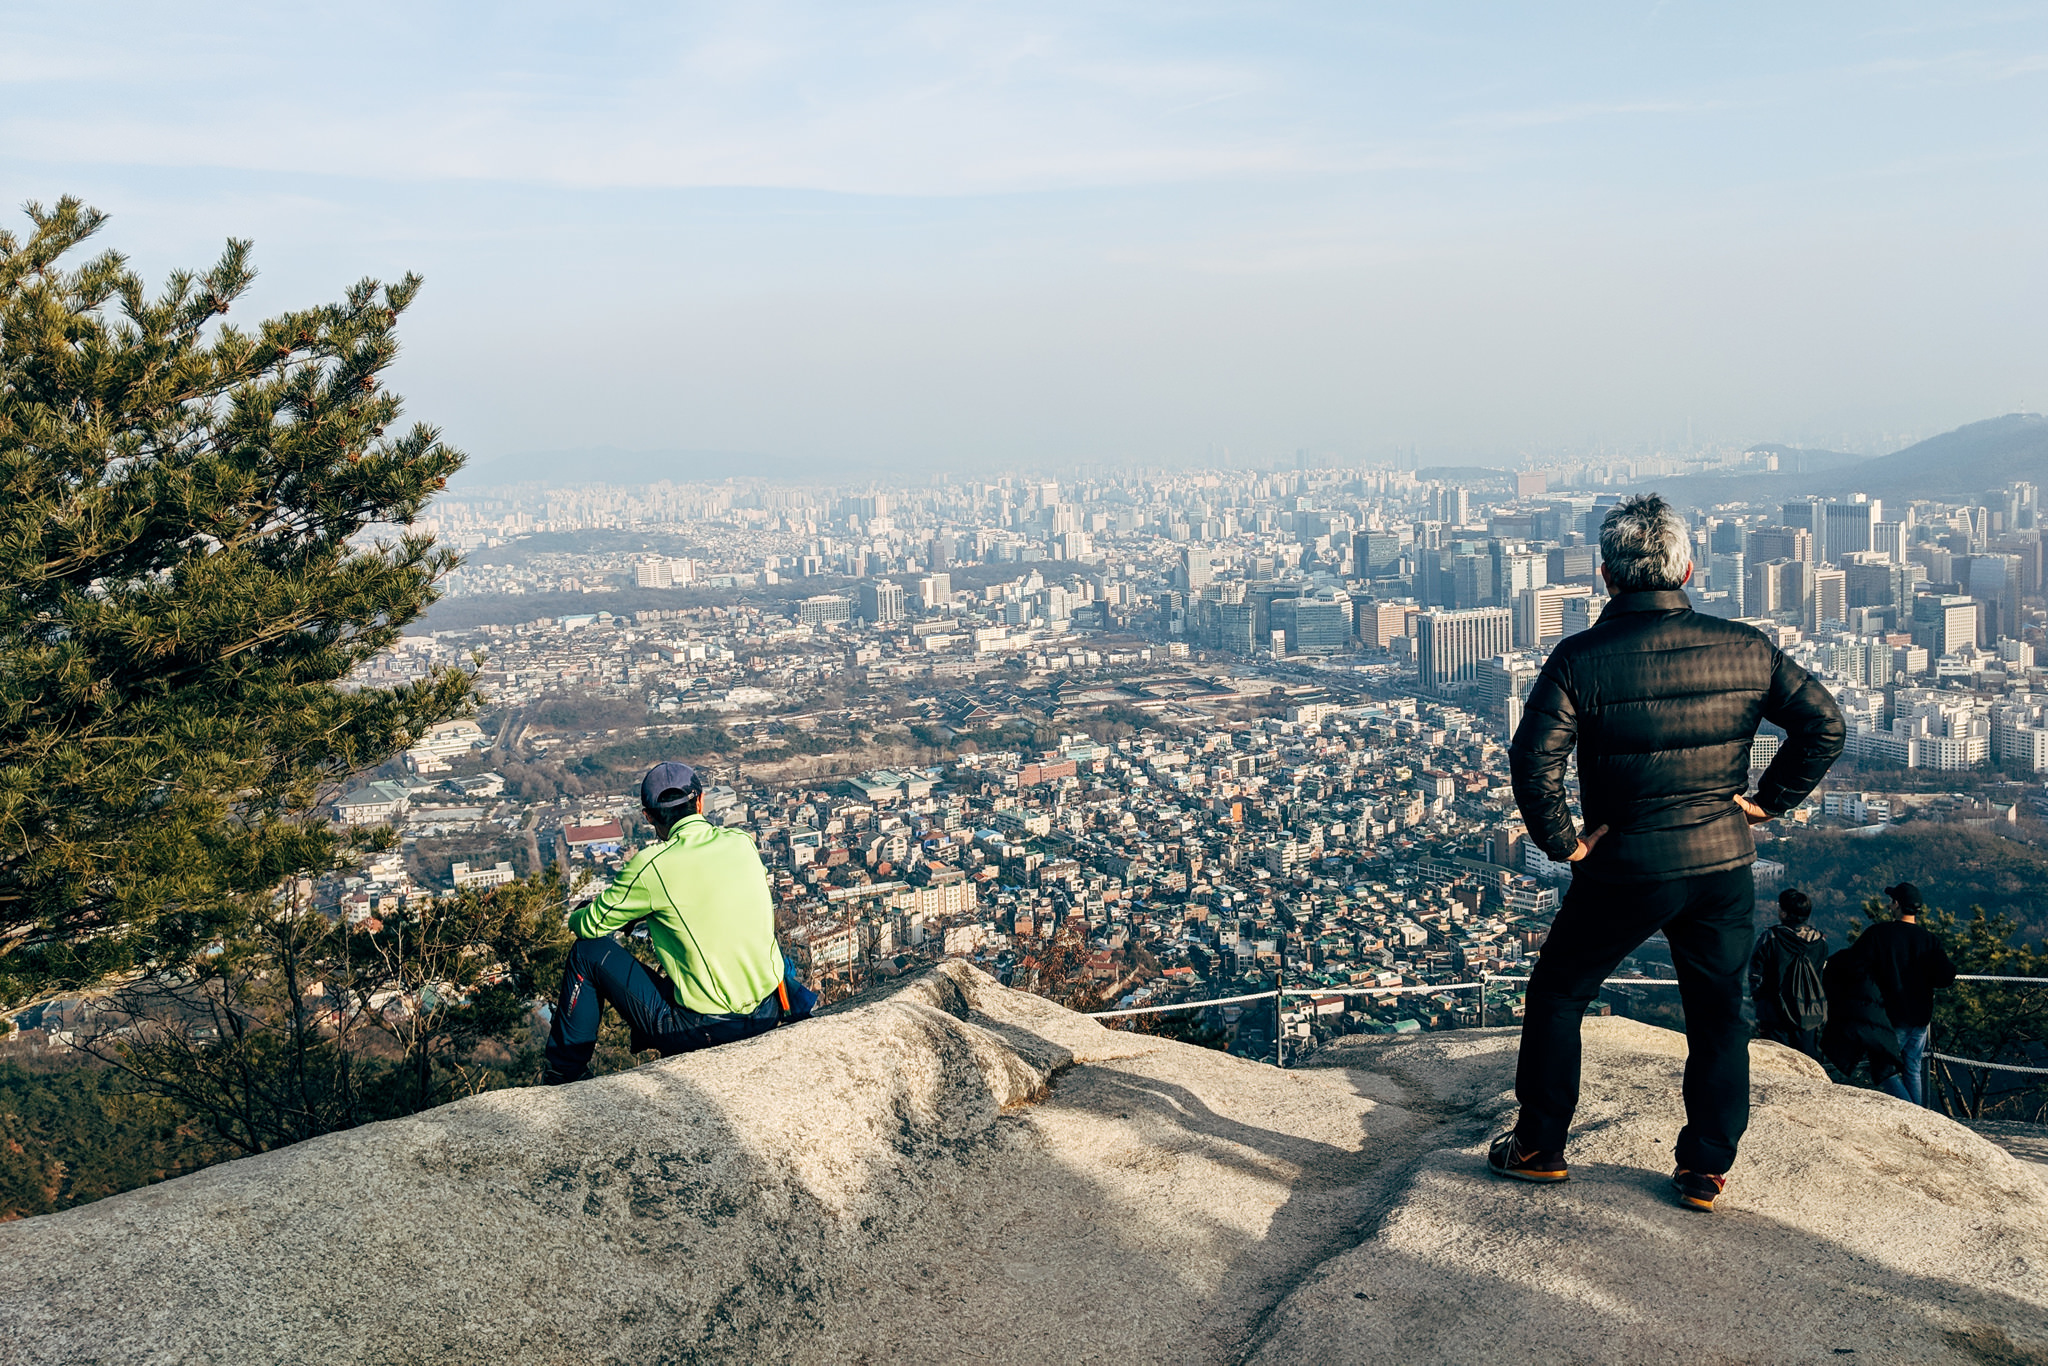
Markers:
{"x": 1661, "y": 704}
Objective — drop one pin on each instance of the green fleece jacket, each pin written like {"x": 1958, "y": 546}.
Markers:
{"x": 709, "y": 916}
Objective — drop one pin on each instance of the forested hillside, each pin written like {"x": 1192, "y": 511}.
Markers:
{"x": 1954, "y": 867}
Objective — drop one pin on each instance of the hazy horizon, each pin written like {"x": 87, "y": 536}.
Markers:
{"x": 947, "y": 236}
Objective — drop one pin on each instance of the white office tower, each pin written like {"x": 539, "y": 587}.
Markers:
{"x": 1450, "y": 645}
{"x": 1850, "y": 527}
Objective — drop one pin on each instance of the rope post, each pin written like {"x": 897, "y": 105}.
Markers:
{"x": 1280, "y": 1007}
{"x": 1927, "y": 1069}
{"x": 1483, "y": 979}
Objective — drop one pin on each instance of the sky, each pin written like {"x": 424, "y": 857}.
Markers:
{"x": 787, "y": 237}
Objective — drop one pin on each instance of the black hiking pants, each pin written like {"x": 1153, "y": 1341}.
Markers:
{"x": 600, "y": 973}
{"x": 1806, "y": 1041}
{"x": 1708, "y": 922}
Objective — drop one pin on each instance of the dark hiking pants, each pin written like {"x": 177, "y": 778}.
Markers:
{"x": 1708, "y": 922}
{"x": 1806, "y": 1041}
{"x": 601, "y": 972}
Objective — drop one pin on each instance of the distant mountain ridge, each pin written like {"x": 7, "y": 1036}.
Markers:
{"x": 1957, "y": 464}
{"x": 1809, "y": 460}
{"x": 1969, "y": 460}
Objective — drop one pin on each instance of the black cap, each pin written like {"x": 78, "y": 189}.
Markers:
{"x": 1907, "y": 895}
{"x": 669, "y": 787}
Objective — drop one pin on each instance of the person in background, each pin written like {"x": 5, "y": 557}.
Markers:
{"x": 1785, "y": 978}
{"x": 703, "y": 894}
{"x": 1858, "y": 1030}
{"x": 1908, "y": 965}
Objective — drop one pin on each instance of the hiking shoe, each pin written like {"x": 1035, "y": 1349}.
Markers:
{"x": 1509, "y": 1158}
{"x": 1696, "y": 1190}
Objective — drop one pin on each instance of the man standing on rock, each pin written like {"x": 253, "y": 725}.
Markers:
{"x": 704, "y": 895}
{"x": 1908, "y": 964}
{"x": 1661, "y": 704}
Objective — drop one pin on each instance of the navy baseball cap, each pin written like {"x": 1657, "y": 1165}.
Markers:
{"x": 668, "y": 787}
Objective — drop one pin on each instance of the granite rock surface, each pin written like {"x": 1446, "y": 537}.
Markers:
{"x": 957, "y": 1172}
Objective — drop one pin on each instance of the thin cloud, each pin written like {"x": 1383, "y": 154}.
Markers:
{"x": 1507, "y": 119}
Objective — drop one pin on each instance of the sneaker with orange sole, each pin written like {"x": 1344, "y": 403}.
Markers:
{"x": 1507, "y": 1157}
{"x": 1696, "y": 1190}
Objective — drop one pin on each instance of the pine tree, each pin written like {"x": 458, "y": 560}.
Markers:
{"x": 191, "y": 577}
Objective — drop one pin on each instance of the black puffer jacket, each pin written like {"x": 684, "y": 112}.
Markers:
{"x": 1661, "y": 703}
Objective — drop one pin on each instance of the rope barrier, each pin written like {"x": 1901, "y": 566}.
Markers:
{"x": 1609, "y": 981}
{"x": 1993, "y": 1066}
{"x": 1425, "y": 990}
{"x": 1380, "y": 991}
{"x": 1489, "y": 980}
{"x": 1180, "y": 1005}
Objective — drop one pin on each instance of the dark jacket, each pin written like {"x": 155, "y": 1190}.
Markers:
{"x": 1858, "y": 1028}
{"x": 1776, "y": 950}
{"x": 1907, "y": 963}
{"x": 1661, "y": 703}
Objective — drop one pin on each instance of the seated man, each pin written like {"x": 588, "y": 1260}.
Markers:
{"x": 704, "y": 896}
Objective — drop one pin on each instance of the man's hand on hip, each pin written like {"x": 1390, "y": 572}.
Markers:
{"x": 1586, "y": 843}
{"x": 1756, "y": 814}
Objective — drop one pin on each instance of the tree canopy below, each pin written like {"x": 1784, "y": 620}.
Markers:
{"x": 1954, "y": 866}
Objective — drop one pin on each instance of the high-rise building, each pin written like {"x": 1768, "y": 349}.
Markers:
{"x": 1869, "y": 581}
{"x": 1515, "y": 570}
{"x": 1234, "y": 623}
{"x": 1830, "y": 599}
{"x": 1778, "y": 543}
{"x": 1944, "y": 622}
{"x": 1849, "y": 527}
{"x": 653, "y": 573}
{"x": 1760, "y": 586}
{"x": 1435, "y": 582}
{"x": 823, "y": 610}
{"x": 1473, "y": 581}
{"x": 1994, "y": 581}
{"x": 1195, "y": 569}
{"x": 1380, "y": 622}
{"x": 881, "y": 601}
{"x": 1450, "y": 645}
{"x": 1376, "y": 554}
{"x": 1539, "y": 613}
{"x": 1322, "y": 625}
{"x": 1583, "y": 613}
{"x": 1572, "y": 564}
{"x": 1504, "y": 679}
{"x": 2027, "y": 546}
{"x": 1806, "y": 514}
{"x": 1726, "y": 573}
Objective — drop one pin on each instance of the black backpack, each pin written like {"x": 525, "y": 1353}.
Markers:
{"x": 1800, "y": 995}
